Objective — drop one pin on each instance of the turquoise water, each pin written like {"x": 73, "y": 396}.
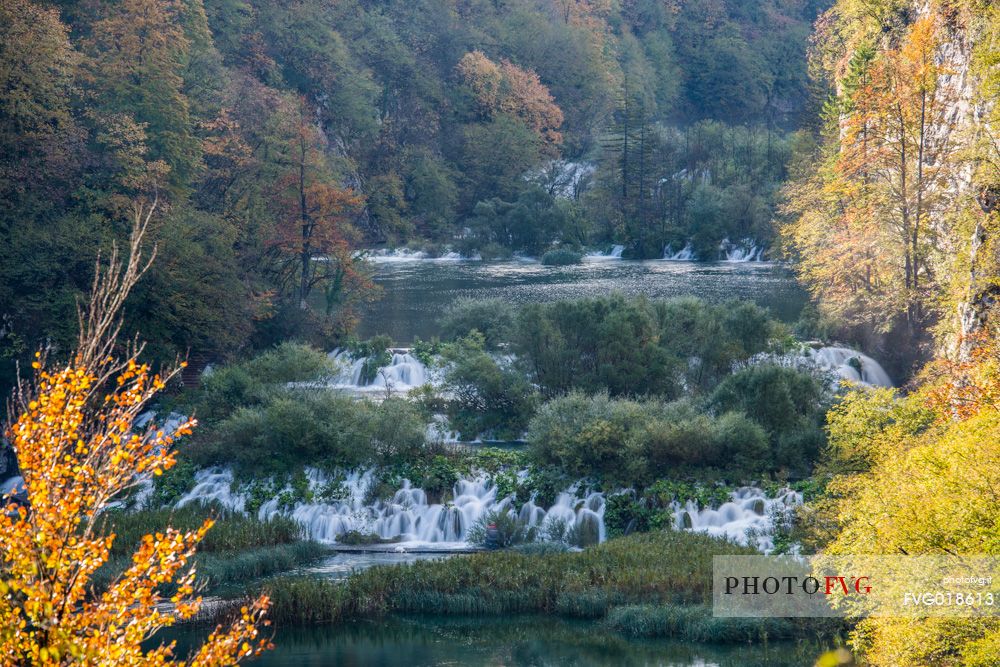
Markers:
{"x": 426, "y": 641}
{"x": 417, "y": 292}
{"x": 517, "y": 641}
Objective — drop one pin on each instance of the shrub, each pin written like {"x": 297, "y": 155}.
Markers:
{"x": 510, "y": 530}
{"x": 488, "y": 397}
{"x": 354, "y": 537}
{"x": 293, "y": 428}
{"x": 787, "y": 403}
{"x": 709, "y": 338}
{"x": 289, "y": 362}
{"x": 169, "y": 487}
{"x": 250, "y": 383}
{"x": 606, "y": 344}
{"x": 561, "y": 257}
{"x": 634, "y": 442}
{"x": 493, "y": 318}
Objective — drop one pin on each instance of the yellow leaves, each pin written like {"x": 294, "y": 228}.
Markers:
{"x": 76, "y": 451}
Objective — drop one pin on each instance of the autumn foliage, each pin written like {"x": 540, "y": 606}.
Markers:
{"x": 71, "y": 427}
{"x": 507, "y": 88}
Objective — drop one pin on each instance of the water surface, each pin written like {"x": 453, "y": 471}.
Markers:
{"x": 417, "y": 292}
{"x": 519, "y": 641}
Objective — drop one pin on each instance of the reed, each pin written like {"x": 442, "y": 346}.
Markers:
{"x": 231, "y": 532}
{"x": 653, "y": 568}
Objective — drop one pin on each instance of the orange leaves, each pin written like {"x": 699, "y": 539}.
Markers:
{"x": 77, "y": 452}
{"x": 963, "y": 389}
{"x": 506, "y": 88}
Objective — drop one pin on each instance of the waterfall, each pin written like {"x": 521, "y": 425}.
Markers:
{"x": 747, "y": 518}
{"x": 402, "y": 374}
{"x": 843, "y": 363}
{"x": 614, "y": 253}
{"x": 341, "y": 504}
{"x": 744, "y": 251}
{"x": 213, "y": 486}
{"x": 849, "y": 365}
{"x": 384, "y": 256}
{"x": 408, "y": 516}
{"x": 168, "y": 426}
{"x": 685, "y": 254}
{"x": 562, "y": 178}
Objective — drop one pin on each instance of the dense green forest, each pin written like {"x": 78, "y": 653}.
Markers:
{"x": 269, "y": 135}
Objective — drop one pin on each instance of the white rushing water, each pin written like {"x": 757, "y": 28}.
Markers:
{"x": 847, "y": 364}
{"x": 402, "y": 374}
{"x": 614, "y": 253}
{"x": 563, "y": 178}
{"x": 742, "y": 251}
{"x": 384, "y": 256}
{"x": 747, "y": 518}
{"x": 413, "y": 519}
{"x": 685, "y": 254}
{"x": 408, "y": 516}
{"x": 841, "y": 363}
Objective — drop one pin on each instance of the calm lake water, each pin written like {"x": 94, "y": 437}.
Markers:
{"x": 425, "y": 641}
{"x": 416, "y": 293}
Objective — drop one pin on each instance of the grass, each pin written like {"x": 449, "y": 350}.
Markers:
{"x": 236, "y": 550}
{"x": 646, "y": 585}
{"x": 231, "y": 532}
{"x": 653, "y": 568}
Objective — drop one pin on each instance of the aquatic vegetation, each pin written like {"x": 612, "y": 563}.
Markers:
{"x": 561, "y": 257}
{"x": 652, "y": 568}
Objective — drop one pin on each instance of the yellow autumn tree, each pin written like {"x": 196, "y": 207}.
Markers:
{"x": 72, "y": 428}
{"x": 916, "y": 475}
{"x": 861, "y": 222}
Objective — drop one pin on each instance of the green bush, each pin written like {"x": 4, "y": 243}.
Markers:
{"x": 493, "y": 318}
{"x": 488, "y": 397}
{"x": 355, "y": 538}
{"x": 250, "y": 383}
{"x": 510, "y": 530}
{"x": 709, "y": 338}
{"x": 789, "y": 405}
{"x": 289, "y": 362}
{"x": 606, "y": 344}
{"x": 634, "y": 442}
{"x": 293, "y": 428}
{"x": 561, "y": 257}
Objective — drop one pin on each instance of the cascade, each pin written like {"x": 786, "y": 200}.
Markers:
{"x": 747, "y": 518}
{"x": 850, "y": 365}
{"x": 685, "y": 254}
{"x": 403, "y": 373}
{"x": 410, "y": 517}
{"x": 614, "y": 253}
{"x": 743, "y": 251}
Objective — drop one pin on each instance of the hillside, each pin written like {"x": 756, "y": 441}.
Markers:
{"x": 272, "y": 133}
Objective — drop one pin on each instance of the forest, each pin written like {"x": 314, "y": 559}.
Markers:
{"x": 694, "y": 278}
{"x": 267, "y": 134}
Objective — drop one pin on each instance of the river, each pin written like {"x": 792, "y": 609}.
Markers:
{"x": 416, "y": 292}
